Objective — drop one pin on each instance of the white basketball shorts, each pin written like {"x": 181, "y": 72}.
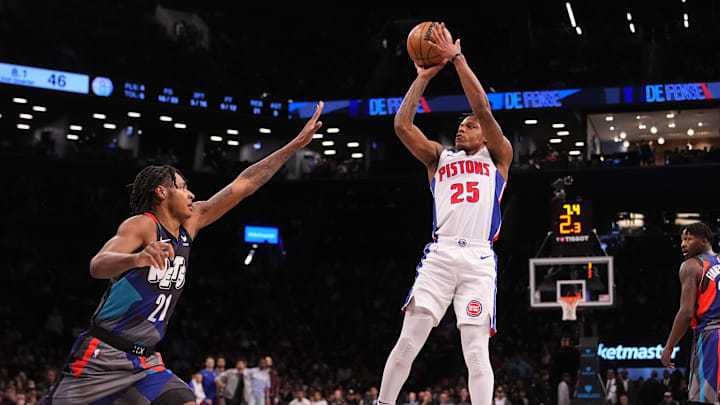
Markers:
{"x": 461, "y": 271}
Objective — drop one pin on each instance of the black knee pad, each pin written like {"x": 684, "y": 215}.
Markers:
{"x": 175, "y": 397}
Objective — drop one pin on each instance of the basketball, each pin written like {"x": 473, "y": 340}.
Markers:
{"x": 418, "y": 45}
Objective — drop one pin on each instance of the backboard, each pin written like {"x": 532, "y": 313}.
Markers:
{"x": 592, "y": 277}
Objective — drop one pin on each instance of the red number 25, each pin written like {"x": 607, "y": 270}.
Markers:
{"x": 472, "y": 195}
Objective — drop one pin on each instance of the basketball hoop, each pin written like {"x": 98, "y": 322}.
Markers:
{"x": 569, "y": 307}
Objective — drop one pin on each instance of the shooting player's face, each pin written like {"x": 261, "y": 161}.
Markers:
{"x": 469, "y": 135}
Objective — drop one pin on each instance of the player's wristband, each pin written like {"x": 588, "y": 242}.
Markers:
{"x": 455, "y": 56}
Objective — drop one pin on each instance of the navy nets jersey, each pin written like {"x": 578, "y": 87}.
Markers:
{"x": 707, "y": 309}
{"x": 139, "y": 303}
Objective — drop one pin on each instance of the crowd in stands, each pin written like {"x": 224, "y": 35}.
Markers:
{"x": 395, "y": 159}
{"x": 551, "y": 158}
{"x": 517, "y": 382}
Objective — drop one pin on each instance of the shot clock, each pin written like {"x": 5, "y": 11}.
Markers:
{"x": 571, "y": 227}
{"x": 571, "y": 221}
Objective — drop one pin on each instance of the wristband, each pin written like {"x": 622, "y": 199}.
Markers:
{"x": 455, "y": 56}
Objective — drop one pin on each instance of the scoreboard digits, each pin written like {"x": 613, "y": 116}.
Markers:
{"x": 44, "y": 78}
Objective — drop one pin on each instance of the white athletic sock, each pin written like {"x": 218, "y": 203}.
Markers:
{"x": 415, "y": 330}
{"x": 475, "y": 342}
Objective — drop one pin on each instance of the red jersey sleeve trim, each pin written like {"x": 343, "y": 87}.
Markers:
{"x": 152, "y": 217}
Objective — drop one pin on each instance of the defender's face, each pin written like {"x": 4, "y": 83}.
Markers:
{"x": 691, "y": 245}
{"x": 469, "y": 135}
{"x": 181, "y": 198}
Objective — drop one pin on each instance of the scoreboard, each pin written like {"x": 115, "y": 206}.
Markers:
{"x": 44, "y": 78}
{"x": 197, "y": 98}
{"x": 189, "y": 95}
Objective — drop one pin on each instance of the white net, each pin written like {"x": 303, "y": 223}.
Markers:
{"x": 569, "y": 307}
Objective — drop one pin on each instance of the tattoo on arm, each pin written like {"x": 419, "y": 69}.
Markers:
{"x": 409, "y": 105}
{"x": 216, "y": 199}
{"x": 259, "y": 173}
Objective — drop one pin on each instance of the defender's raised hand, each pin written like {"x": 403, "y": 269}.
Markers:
{"x": 305, "y": 136}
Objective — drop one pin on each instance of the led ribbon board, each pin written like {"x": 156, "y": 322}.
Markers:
{"x": 520, "y": 100}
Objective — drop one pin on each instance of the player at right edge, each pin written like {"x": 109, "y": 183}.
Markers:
{"x": 699, "y": 309}
{"x": 459, "y": 265}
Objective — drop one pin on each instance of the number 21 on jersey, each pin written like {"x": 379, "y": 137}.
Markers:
{"x": 163, "y": 304}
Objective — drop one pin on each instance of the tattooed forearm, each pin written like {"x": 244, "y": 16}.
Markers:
{"x": 215, "y": 200}
{"x": 259, "y": 173}
{"x": 409, "y": 105}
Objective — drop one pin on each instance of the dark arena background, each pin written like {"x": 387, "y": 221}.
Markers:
{"x": 612, "y": 109}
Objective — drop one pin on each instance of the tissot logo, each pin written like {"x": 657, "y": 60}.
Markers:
{"x": 621, "y": 352}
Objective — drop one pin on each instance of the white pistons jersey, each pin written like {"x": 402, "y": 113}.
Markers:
{"x": 467, "y": 190}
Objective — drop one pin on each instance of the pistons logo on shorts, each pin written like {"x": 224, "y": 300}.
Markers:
{"x": 474, "y": 309}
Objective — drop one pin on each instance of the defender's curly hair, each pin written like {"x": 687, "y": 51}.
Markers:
{"x": 142, "y": 190}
